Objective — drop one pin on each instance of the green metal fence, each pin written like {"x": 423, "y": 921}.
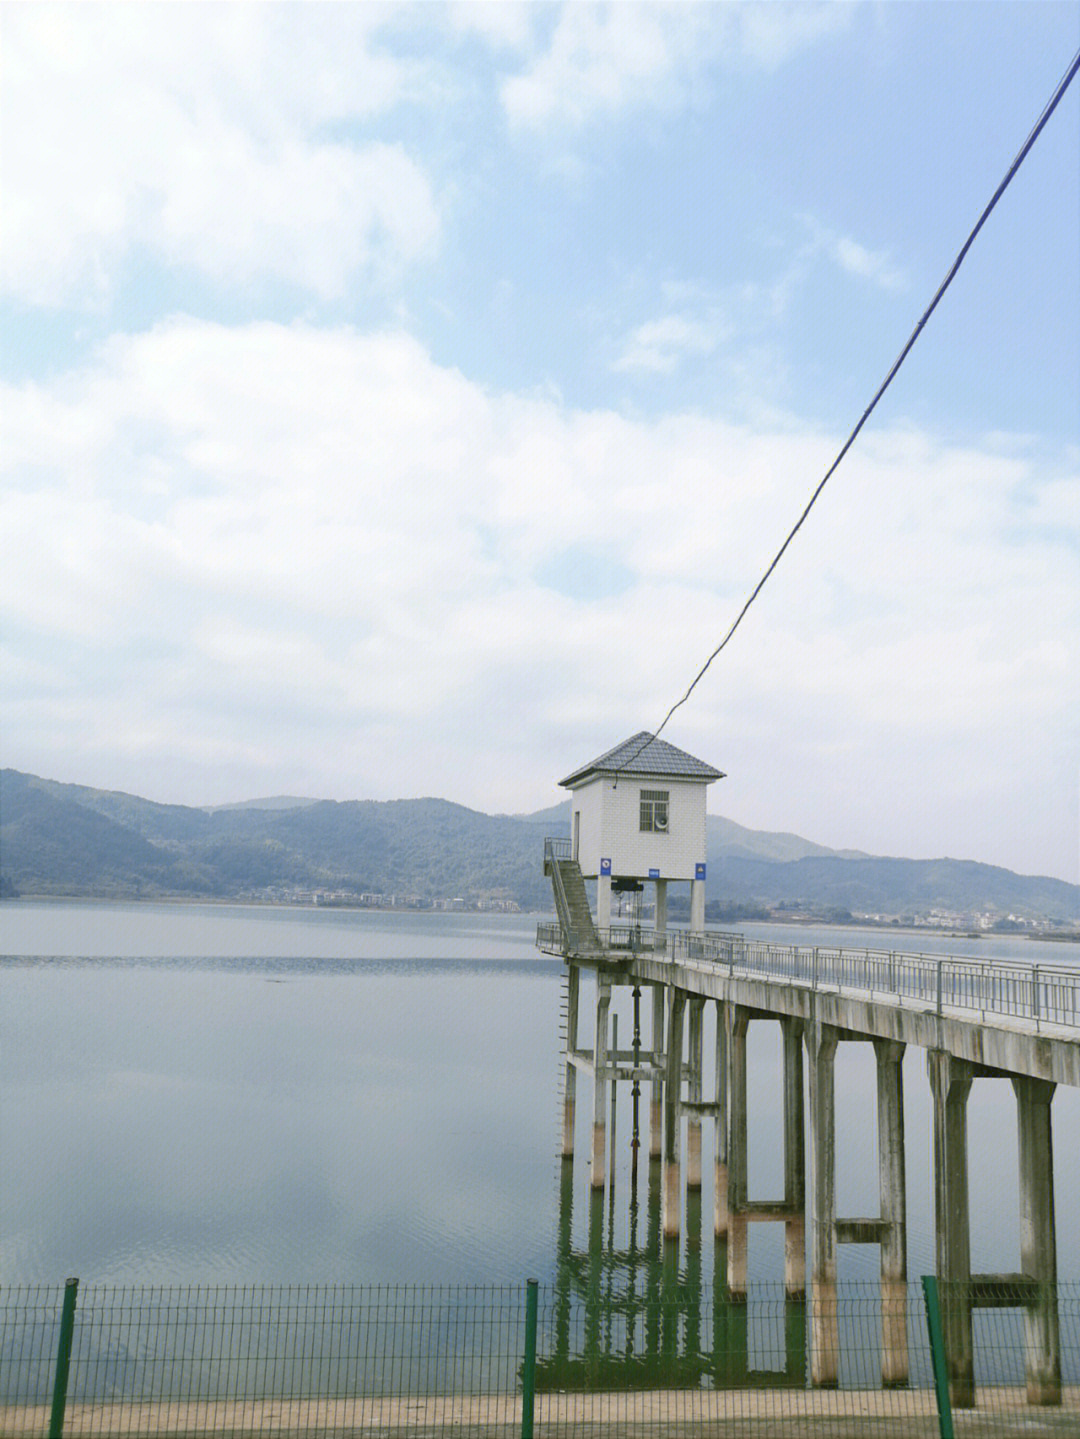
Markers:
{"x": 528, "y": 1360}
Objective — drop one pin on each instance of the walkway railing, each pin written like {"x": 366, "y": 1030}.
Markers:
{"x": 1041, "y": 994}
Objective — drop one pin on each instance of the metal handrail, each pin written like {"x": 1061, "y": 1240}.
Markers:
{"x": 1040, "y": 993}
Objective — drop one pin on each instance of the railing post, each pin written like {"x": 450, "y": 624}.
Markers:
{"x": 1035, "y": 995}
{"x": 937, "y": 1356}
{"x": 939, "y": 963}
{"x": 815, "y": 967}
{"x": 63, "y": 1360}
{"x": 528, "y": 1363}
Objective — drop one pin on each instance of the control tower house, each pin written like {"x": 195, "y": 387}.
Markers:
{"x": 638, "y": 816}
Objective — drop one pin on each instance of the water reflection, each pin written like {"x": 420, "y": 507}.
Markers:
{"x": 637, "y": 1315}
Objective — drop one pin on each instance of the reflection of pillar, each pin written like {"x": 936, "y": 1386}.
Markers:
{"x": 600, "y": 1080}
{"x": 603, "y": 903}
{"x": 739, "y": 1019}
{"x": 573, "y": 988}
{"x": 693, "y": 1123}
{"x": 720, "y": 1214}
{"x": 794, "y": 1161}
{"x": 672, "y": 1117}
{"x": 824, "y": 1338}
{"x": 660, "y": 923}
{"x": 890, "y": 1110}
{"x": 1038, "y": 1247}
{"x": 656, "y": 1110}
{"x": 697, "y": 906}
{"x": 950, "y": 1080}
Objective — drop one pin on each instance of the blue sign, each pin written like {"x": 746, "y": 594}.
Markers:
{"x": 699, "y": 871}
{"x": 605, "y": 866}
{"x": 654, "y": 874}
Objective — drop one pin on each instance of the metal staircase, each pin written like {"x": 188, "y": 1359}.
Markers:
{"x": 571, "y": 901}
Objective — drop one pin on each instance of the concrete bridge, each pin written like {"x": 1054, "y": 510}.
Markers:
{"x": 974, "y": 1019}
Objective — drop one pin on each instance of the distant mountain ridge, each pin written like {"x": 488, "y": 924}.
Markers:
{"x": 72, "y": 840}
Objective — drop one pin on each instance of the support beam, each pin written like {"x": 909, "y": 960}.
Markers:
{"x": 600, "y": 1082}
{"x": 738, "y": 1184}
{"x": 672, "y": 1117}
{"x": 821, "y": 1040}
{"x": 892, "y": 1178}
{"x": 697, "y": 906}
{"x": 656, "y": 1109}
{"x": 573, "y": 992}
{"x": 660, "y": 917}
{"x": 794, "y": 1161}
{"x": 695, "y": 1028}
{"x": 950, "y": 1080}
{"x": 720, "y": 1208}
{"x": 1038, "y": 1243}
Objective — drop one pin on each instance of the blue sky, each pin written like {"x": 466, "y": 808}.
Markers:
{"x": 403, "y": 401}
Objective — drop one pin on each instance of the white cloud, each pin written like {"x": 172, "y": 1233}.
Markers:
{"x": 603, "y": 59}
{"x": 210, "y": 136}
{"x": 658, "y": 346}
{"x": 278, "y": 559}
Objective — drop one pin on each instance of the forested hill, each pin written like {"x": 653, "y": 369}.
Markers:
{"x": 63, "y": 839}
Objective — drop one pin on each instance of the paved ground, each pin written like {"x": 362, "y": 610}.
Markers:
{"x": 727, "y": 1414}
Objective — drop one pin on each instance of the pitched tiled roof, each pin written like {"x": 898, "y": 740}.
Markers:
{"x": 642, "y": 754}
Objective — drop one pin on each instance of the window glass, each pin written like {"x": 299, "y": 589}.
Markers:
{"x": 654, "y": 811}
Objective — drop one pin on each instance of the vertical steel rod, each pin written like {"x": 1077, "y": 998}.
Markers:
{"x": 63, "y": 1360}
{"x": 937, "y": 1355}
{"x": 528, "y": 1363}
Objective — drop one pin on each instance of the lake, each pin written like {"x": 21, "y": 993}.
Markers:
{"x": 230, "y": 1094}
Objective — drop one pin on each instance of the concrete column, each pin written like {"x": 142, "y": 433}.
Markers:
{"x": 737, "y": 1152}
{"x": 697, "y": 906}
{"x": 672, "y": 1117}
{"x": 600, "y": 1081}
{"x": 656, "y": 1107}
{"x": 720, "y": 1208}
{"x": 693, "y": 1122}
{"x": 891, "y": 1174}
{"x": 603, "y": 901}
{"x": 660, "y": 923}
{"x": 950, "y": 1080}
{"x": 573, "y": 989}
{"x": 1038, "y": 1244}
{"x": 794, "y": 1161}
{"x": 824, "y": 1334}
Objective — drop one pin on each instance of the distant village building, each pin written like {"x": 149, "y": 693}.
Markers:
{"x": 637, "y": 816}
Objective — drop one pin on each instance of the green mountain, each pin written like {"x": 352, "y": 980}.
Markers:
{"x": 66, "y": 839}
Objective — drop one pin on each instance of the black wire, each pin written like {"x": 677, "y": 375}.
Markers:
{"x": 1051, "y": 106}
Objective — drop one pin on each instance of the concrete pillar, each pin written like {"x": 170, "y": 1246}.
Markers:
{"x": 950, "y": 1080}
{"x": 656, "y": 1108}
{"x": 738, "y": 1183}
{"x": 720, "y": 1207}
{"x": 600, "y": 1081}
{"x": 660, "y": 922}
{"x": 697, "y": 906}
{"x": 1038, "y": 1244}
{"x": 821, "y": 1042}
{"x": 693, "y": 1123}
{"x": 794, "y": 1161}
{"x": 573, "y": 990}
{"x": 891, "y": 1175}
{"x": 603, "y": 901}
{"x": 672, "y": 1117}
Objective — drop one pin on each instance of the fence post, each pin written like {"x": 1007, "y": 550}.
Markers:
{"x": 63, "y": 1360}
{"x": 937, "y": 1356}
{"x": 528, "y": 1366}
{"x": 939, "y": 963}
{"x": 1035, "y": 995}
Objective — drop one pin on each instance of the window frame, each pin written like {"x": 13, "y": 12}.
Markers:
{"x": 650, "y": 801}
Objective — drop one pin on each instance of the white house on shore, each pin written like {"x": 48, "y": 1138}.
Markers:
{"x": 638, "y": 814}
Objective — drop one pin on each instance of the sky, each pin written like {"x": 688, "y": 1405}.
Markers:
{"x": 403, "y": 401}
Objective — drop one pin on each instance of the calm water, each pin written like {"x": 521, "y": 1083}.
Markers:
{"x": 253, "y": 1095}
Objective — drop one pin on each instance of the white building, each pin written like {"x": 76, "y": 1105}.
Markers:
{"x": 638, "y": 814}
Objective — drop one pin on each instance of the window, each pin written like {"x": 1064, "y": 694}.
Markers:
{"x": 654, "y": 811}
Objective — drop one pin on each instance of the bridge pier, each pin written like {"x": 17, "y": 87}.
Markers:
{"x": 672, "y": 1117}
{"x": 888, "y": 1230}
{"x": 720, "y": 1186}
{"x": 656, "y": 1108}
{"x": 694, "y": 1059}
{"x": 600, "y": 1082}
{"x": 1038, "y": 1244}
{"x": 791, "y": 1209}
